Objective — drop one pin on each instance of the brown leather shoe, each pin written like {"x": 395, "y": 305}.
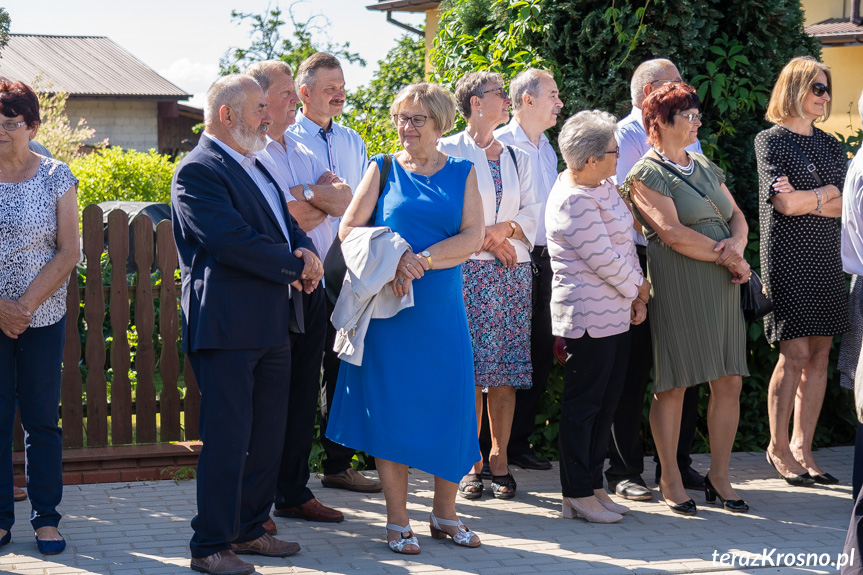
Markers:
{"x": 19, "y": 494}
{"x": 270, "y": 526}
{"x": 266, "y": 545}
{"x": 352, "y": 480}
{"x": 222, "y": 563}
{"x": 312, "y": 510}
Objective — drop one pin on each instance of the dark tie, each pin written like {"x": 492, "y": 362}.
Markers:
{"x": 297, "y": 324}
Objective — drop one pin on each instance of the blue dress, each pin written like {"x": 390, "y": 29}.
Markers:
{"x": 412, "y": 399}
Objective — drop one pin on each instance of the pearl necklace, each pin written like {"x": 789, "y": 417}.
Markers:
{"x": 477, "y": 144}
{"x": 685, "y": 170}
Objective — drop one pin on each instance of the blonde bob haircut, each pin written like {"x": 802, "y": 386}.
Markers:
{"x": 435, "y": 101}
{"x": 794, "y": 83}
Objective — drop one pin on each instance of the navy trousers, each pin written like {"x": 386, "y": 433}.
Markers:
{"x": 307, "y": 351}
{"x": 244, "y": 398}
{"x": 30, "y": 368}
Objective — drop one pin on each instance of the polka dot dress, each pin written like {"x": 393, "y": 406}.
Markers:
{"x": 801, "y": 263}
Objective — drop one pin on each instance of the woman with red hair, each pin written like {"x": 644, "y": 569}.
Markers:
{"x": 696, "y": 235}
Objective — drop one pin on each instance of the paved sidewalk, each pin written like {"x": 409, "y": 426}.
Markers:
{"x": 143, "y": 528}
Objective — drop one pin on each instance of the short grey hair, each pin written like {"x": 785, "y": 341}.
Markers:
{"x": 527, "y": 82}
{"x": 228, "y": 91}
{"x": 470, "y": 85}
{"x": 646, "y": 73}
{"x": 584, "y": 136}
{"x": 434, "y": 100}
{"x": 262, "y": 72}
{"x": 310, "y": 66}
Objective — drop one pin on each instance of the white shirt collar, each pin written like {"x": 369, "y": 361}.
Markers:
{"x": 228, "y": 149}
{"x": 519, "y": 136}
{"x": 290, "y": 145}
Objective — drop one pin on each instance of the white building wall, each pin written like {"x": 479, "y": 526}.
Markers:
{"x": 131, "y": 124}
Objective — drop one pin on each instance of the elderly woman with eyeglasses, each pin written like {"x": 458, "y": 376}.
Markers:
{"x": 597, "y": 291}
{"x": 801, "y": 172}
{"x": 410, "y": 403}
{"x": 696, "y": 235}
{"x": 38, "y": 251}
{"x": 497, "y": 278}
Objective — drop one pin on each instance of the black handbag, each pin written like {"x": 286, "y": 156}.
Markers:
{"x": 335, "y": 267}
{"x": 754, "y": 300}
{"x": 753, "y": 295}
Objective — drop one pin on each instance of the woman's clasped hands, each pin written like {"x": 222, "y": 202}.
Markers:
{"x": 411, "y": 267}
{"x": 495, "y": 243}
{"x": 14, "y": 318}
{"x": 731, "y": 256}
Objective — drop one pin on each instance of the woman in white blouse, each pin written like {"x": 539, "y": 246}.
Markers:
{"x": 497, "y": 279}
{"x": 597, "y": 291}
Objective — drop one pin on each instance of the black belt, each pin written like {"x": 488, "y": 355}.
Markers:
{"x": 641, "y": 250}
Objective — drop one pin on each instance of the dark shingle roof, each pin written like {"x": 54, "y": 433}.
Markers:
{"x": 404, "y": 5}
{"x": 83, "y": 66}
{"x": 836, "y": 30}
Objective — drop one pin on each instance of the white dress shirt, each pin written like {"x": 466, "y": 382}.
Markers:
{"x": 341, "y": 150}
{"x": 294, "y": 165}
{"x": 852, "y": 218}
{"x": 631, "y": 138}
{"x": 268, "y": 190}
{"x": 543, "y": 166}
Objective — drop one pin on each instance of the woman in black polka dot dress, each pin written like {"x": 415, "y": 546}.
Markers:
{"x": 800, "y": 260}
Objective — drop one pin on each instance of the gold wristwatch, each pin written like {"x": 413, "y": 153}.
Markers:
{"x": 512, "y": 225}
{"x": 427, "y": 256}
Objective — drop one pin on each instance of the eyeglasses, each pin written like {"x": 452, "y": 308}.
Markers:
{"x": 820, "y": 89}
{"x": 418, "y": 120}
{"x": 11, "y": 125}
{"x": 500, "y": 89}
{"x": 692, "y": 117}
{"x": 615, "y": 151}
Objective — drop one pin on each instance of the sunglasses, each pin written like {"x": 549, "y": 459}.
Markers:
{"x": 820, "y": 89}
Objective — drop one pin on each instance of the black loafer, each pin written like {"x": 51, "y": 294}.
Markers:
{"x": 633, "y": 488}
{"x": 529, "y": 460}
{"x": 691, "y": 478}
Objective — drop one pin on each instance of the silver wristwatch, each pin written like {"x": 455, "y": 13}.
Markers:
{"x": 308, "y": 194}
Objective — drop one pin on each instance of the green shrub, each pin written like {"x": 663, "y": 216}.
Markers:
{"x": 118, "y": 174}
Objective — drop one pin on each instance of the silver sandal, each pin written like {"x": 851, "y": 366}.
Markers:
{"x": 398, "y": 545}
{"x": 462, "y": 538}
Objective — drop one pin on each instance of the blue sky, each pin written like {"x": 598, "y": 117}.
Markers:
{"x": 184, "y": 39}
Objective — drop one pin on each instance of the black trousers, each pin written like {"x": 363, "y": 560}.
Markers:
{"x": 307, "y": 351}
{"x": 626, "y": 449}
{"x": 338, "y": 457}
{"x": 244, "y": 398}
{"x": 541, "y": 356}
{"x": 593, "y": 379}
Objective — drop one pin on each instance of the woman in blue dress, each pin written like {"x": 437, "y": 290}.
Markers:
{"x": 411, "y": 402}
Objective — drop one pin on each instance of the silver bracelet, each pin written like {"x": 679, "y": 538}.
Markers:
{"x": 820, "y": 200}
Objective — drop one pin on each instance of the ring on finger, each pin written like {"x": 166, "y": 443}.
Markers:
{"x": 400, "y": 282}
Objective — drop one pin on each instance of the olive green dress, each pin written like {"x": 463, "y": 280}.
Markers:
{"x": 696, "y": 323}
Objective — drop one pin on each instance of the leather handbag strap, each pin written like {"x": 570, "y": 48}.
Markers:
{"x": 687, "y": 182}
{"x": 810, "y": 166}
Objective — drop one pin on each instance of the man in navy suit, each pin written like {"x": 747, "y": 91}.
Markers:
{"x": 241, "y": 256}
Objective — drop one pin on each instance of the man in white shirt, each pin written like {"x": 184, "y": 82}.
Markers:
{"x": 626, "y": 452}
{"x": 536, "y": 104}
{"x": 320, "y": 86}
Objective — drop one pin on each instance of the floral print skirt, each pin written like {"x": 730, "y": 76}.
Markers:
{"x": 498, "y": 305}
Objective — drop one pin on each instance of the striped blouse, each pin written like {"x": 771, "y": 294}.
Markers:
{"x": 596, "y": 270}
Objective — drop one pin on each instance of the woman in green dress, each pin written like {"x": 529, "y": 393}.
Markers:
{"x": 696, "y": 235}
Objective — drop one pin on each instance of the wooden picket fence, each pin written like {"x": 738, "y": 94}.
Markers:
{"x": 131, "y": 422}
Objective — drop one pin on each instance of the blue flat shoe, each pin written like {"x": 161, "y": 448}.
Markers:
{"x": 50, "y": 547}
{"x": 6, "y": 538}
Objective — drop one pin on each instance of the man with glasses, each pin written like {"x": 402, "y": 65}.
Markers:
{"x": 626, "y": 451}
{"x": 536, "y": 105}
{"x": 320, "y": 85}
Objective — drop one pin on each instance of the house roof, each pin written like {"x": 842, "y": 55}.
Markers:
{"x": 837, "y": 31}
{"x": 404, "y": 5}
{"x": 83, "y": 66}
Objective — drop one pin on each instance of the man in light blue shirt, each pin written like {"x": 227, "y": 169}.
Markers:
{"x": 320, "y": 85}
{"x": 536, "y": 104}
{"x": 626, "y": 452}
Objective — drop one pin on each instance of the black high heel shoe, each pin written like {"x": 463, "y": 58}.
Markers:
{"x": 795, "y": 480}
{"x": 825, "y": 479}
{"x": 710, "y": 495}
{"x": 685, "y": 508}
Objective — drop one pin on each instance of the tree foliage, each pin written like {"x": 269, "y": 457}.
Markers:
{"x": 369, "y": 106}
{"x": 5, "y": 22}
{"x": 56, "y": 132}
{"x": 268, "y": 43}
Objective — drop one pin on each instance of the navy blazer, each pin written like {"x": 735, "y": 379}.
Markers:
{"x": 234, "y": 261}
